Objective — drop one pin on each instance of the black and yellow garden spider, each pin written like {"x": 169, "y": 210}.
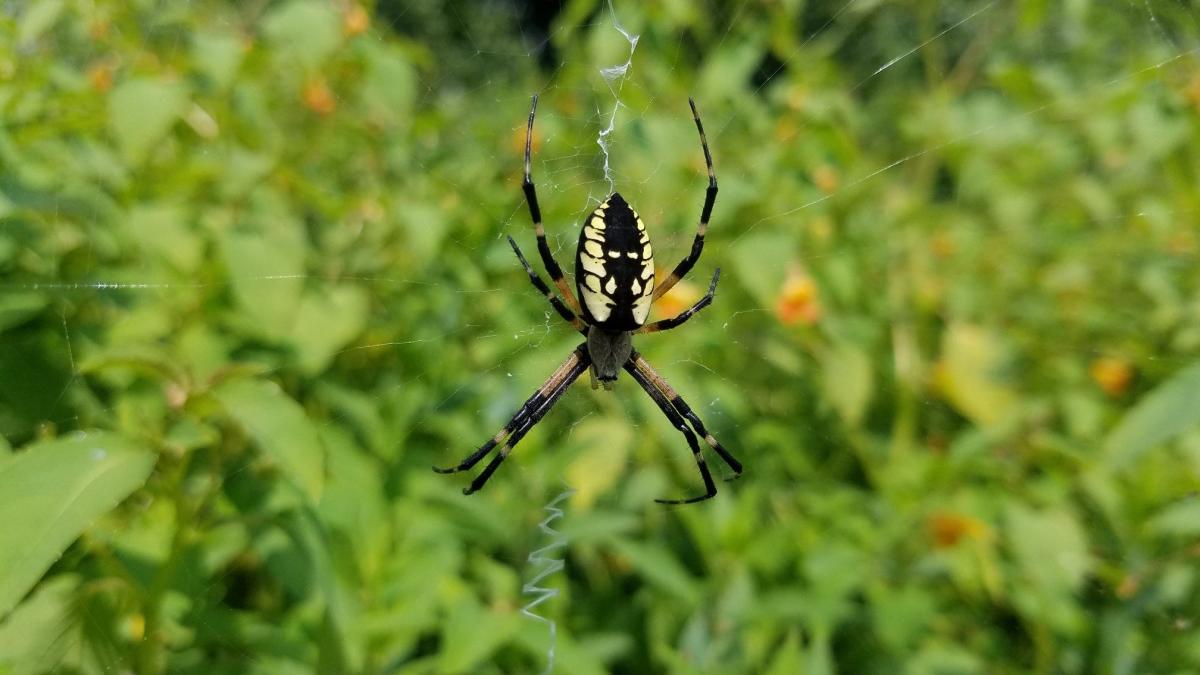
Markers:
{"x": 614, "y": 273}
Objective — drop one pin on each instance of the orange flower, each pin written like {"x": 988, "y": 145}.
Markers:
{"x": 826, "y": 179}
{"x": 681, "y": 296}
{"x": 942, "y": 245}
{"x": 1113, "y": 374}
{"x": 100, "y": 76}
{"x": 355, "y": 20}
{"x": 798, "y": 301}
{"x": 517, "y": 140}
{"x": 318, "y": 98}
{"x": 947, "y": 529}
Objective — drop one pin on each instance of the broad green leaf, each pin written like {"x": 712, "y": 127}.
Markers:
{"x": 1050, "y": 548}
{"x": 163, "y": 231}
{"x": 658, "y": 566}
{"x": 472, "y": 633}
{"x": 389, "y": 87}
{"x": 327, "y": 319}
{"x": 788, "y": 658}
{"x": 968, "y": 374}
{"x": 50, "y": 492}
{"x": 142, "y": 111}
{"x": 40, "y": 632}
{"x": 1178, "y": 520}
{"x": 761, "y": 262}
{"x": 267, "y": 266}
{"x": 846, "y": 379}
{"x": 19, "y": 306}
{"x": 1168, "y": 411}
{"x": 36, "y": 18}
{"x": 304, "y": 30}
{"x": 218, "y": 56}
{"x": 425, "y": 227}
{"x": 280, "y": 428}
{"x": 596, "y": 469}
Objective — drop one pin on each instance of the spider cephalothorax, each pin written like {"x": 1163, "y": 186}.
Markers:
{"x": 614, "y": 274}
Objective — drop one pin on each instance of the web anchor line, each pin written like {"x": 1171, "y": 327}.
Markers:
{"x": 615, "y": 73}
{"x": 546, "y": 565}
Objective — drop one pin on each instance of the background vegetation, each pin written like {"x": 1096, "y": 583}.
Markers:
{"x": 253, "y": 283}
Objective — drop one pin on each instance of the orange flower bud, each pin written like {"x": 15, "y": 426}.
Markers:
{"x": 100, "y": 76}
{"x": 681, "y": 296}
{"x": 318, "y": 98}
{"x": 947, "y": 529}
{"x": 355, "y": 20}
{"x": 1113, "y": 374}
{"x": 826, "y": 179}
{"x": 798, "y": 301}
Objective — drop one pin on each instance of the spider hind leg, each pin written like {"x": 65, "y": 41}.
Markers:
{"x": 532, "y": 412}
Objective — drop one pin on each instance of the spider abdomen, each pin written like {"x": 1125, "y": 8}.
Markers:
{"x": 614, "y": 267}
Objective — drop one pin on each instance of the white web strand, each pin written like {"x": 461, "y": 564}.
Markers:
{"x": 914, "y": 50}
{"x": 546, "y": 565}
{"x": 617, "y": 74}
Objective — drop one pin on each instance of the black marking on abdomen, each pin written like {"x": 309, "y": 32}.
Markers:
{"x": 614, "y": 267}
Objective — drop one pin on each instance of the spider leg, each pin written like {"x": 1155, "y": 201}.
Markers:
{"x": 535, "y": 214}
{"x": 710, "y": 197}
{"x": 668, "y": 324}
{"x": 562, "y": 309}
{"x": 677, "y": 421}
{"x": 638, "y": 363}
{"x": 534, "y": 409}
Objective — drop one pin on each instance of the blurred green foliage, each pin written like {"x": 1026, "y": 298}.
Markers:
{"x": 253, "y": 284}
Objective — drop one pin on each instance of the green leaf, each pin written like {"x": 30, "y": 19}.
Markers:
{"x": 142, "y": 111}
{"x": 17, "y": 307}
{"x": 1158, "y": 417}
{"x": 846, "y": 379}
{"x": 761, "y": 262}
{"x": 390, "y": 85}
{"x": 305, "y": 30}
{"x": 327, "y": 319}
{"x": 658, "y": 566}
{"x": 1050, "y": 548}
{"x": 1179, "y": 520}
{"x": 38, "y": 634}
{"x": 267, "y": 265}
{"x": 969, "y": 377}
{"x": 37, "y": 18}
{"x": 218, "y": 56}
{"x": 601, "y": 464}
{"x": 163, "y": 231}
{"x": 279, "y": 428}
{"x": 50, "y": 492}
{"x": 471, "y": 634}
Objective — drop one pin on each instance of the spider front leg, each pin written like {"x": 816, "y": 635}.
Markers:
{"x": 535, "y": 214}
{"x": 562, "y": 309}
{"x": 668, "y": 324}
{"x": 534, "y": 409}
{"x": 710, "y": 198}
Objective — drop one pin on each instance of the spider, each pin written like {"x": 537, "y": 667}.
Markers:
{"x": 614, "y": 274}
